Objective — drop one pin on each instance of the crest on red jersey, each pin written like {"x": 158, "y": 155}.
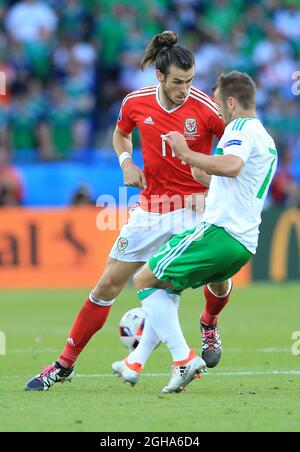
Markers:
{"x": 190, "y": 125}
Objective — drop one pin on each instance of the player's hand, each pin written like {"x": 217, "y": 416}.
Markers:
{"x": 133, "y": 175}
{"x": 178, "y": 144}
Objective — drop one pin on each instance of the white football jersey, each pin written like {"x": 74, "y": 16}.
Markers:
{"x": 235, "y": 204}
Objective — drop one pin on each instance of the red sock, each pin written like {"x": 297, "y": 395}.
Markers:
{"x": 90, "y": 319}
{"x": 214, "y": 305}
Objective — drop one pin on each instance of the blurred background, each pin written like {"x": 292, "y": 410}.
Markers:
{"x": 69, "y": 63}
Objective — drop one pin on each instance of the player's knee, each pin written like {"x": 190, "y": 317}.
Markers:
{"x": 107, "y": 289}
{"x": 144, "y": 278}
{"x": 220, "y": 289}
{"x": 139, "y": 280}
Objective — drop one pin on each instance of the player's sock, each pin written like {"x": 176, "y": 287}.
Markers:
{"x": 147, "y": 344}
{"x": 214, "y": 305}
{"x": 149, "y": 341}
{"x": 161, "y": 312}
{"x": 90, "y": 319}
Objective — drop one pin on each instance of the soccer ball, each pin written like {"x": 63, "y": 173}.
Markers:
{"x": 131, "y": 328}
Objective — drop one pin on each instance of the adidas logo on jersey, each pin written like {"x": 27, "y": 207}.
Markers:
{"x": 149, "y": 120}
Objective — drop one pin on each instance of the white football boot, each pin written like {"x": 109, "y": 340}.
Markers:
{"x": 184, "y": 372}
{"x": 129, "y": 373}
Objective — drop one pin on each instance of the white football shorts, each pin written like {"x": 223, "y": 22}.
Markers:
{"x": 146, "y": 232}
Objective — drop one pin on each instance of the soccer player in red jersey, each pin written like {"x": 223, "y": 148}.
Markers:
{"x": 169, "y": 195}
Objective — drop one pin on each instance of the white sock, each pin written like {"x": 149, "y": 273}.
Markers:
{"x": 229, "y": 287}
{"x": 162, "y": 314}
{"x": 149, "y": 340}
{"x": 99, "y": 302}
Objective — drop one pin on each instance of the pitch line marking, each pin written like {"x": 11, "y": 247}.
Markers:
{"x": 214, "y": 374}
{"x": 228, "y": 350}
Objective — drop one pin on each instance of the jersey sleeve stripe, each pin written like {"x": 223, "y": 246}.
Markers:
{"x": 244, "y": 122}
{"x": 146, "y": 87}
{"x": 207, "y": 104}
{"x": 204, "y": 96}
{"x": 213, "y": 104}
{"x": 139, "y": 94}
{"x": 235, "y": 124}
{"x": 239, "y": 123}
{"x": 207, "y": 99}
{"x": 141, "y": 90}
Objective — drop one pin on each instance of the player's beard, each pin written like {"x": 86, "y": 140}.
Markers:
{"x": 170, "y": 101}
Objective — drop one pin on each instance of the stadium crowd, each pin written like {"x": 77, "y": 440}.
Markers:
{"x": 68, "y": 64}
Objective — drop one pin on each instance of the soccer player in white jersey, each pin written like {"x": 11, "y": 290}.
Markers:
{"x": 166, "y": 183}
{"x": 227, "y": 236}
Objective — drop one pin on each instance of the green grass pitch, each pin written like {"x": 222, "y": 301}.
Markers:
{"x": 255, "y": 387}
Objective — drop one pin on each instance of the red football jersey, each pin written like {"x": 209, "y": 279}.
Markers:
{"x": 197, "y": 119}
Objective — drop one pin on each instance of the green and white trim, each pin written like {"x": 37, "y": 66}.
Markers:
{"x": 170, "y": 254}
{"x": 240, "y": 122}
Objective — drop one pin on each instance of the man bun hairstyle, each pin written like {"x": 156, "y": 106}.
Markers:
{"x": 163, "y": 51}
{"x": 238, "y": 85}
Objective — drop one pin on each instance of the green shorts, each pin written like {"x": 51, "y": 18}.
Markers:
{"x": 199, "y": 256}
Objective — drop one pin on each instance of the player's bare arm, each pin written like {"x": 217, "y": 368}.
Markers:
{"x": 224, "y": 165}
{"x": 133, "y": 175}
{"x": 201, "y": 176}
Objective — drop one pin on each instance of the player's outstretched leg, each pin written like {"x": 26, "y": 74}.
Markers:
{"x": 217, "y": 296}
{"x": 161, "y": 312}
{"x": 130, "y": 368}
{"x": 89, "y": 321}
